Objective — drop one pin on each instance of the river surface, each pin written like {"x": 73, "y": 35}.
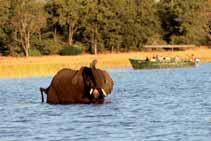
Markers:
{"x": 146, "y": 105}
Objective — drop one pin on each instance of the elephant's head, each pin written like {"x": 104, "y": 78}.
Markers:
{"x": 96, "y": 83}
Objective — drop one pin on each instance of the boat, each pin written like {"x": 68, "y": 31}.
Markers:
{"x": 143, "y": 64}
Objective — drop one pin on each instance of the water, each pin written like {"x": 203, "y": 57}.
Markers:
{"x": 147, "y": 105}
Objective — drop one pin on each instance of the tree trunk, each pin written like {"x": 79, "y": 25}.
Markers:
{"x": 55, "y": 34}
{"x": 118, "y": 48}
{"x": 26, "y": 44}
{"x": 26, "y": 52}
{"x": 95, "y": 39}
{"x": 209, "y": 36}
{"x": 40, "y": 36}
{"x": 15, "y": 35}
{"x": 95, "y": 47}
{"x": 70, "y": 35}
{"x": 112, "y": 49}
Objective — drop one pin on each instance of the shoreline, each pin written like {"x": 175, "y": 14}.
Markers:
{"x": 21, "y": 67}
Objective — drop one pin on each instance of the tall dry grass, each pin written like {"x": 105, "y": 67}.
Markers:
{"x": 11, "y": 67}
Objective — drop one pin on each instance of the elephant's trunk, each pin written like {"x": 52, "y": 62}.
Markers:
{"x": 42, "y": 90}
{"x": 96, "y": 92}
{"x": 93, "y": 64}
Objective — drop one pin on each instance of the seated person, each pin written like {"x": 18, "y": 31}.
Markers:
{"x": 147, "y": 59}
{"x": 153, "y": 59}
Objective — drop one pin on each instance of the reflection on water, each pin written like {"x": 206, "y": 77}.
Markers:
{"x": 172, "y": 104}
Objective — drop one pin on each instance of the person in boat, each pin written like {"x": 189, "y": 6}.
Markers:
{"x": 153, "y": 59}
{"x": 159, "y": 58}
{"x": 193, "y": 58}
{"x": 177, "y": 59}
{"x": 147, "y": 59}
{"x": 197, "y": 60}
{"x": 168, "y": 59}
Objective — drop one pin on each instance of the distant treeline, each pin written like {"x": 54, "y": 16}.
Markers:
{"x": 69, "y": 27}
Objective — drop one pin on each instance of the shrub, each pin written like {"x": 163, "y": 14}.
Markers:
{"x": 34, "y": 52}
{"x": 52, "y": 47}
{"x": 71, "y": 50}
{"x": 14, "y": 49}
{"x": 47, "y": 47}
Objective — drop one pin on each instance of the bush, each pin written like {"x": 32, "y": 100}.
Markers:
{"x": 15, "y": 50}
{"x": 34, "y": 52}
{"x": 47, "y": 47}
{"x": 52, "y": 47}
{"x": 71, "y": 50}
{"x": 179, "y": 40}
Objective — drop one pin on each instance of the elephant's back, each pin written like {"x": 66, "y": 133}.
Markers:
{"x": 65, "y": 73}
{"x": 63, "y": 77}
{"x": 62, "y": 84}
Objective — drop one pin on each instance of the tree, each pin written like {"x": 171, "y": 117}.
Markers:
{"x": 52, "y": 8}
{"x": 4, "y": 12}
{"x": 183, "y": 22}
{"x": 209, "y": 18}
{"x": 70, "y": 13}
{"x": 27, "y": 19}
{"x": 147, "y": 21}
{"x": 93, "y": 22}
{"x": 4, "y": 28}
{"x": 140, "y": 23}
{"x": 113, "y": 24}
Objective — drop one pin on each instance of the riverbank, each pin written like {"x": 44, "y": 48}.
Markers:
{"x": 12, "y": 67}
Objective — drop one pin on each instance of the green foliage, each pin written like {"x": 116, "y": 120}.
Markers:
{"x": 27, "y": 18}
{"x": 15, "y": 50}
{"x": 34, "y": 52}
{"x": 75, "y": 49}
{"x": 4, "y": 12}
{"x": 46, "y": 46}
{"x": 93, "y": 23}
{"x": 184, "y": 22}
{"x": 101, "y": 25}
{"x": 3, "y": 36}
{"x": 51, "y": 47}
{"x": 4, "y": 28}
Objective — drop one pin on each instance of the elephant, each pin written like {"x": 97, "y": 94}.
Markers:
{"x": 84, "y": 86}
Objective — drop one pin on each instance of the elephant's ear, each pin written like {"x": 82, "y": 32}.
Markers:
{"x": 108, "y": 82}
{"x": 78, "y": 77}
{"x": 106, "y": 77}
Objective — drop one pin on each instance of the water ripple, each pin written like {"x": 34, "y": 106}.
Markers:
{"x": 148, "y": 105}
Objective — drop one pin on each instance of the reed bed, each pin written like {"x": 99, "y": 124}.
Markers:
{"x": 11, "y": 67}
